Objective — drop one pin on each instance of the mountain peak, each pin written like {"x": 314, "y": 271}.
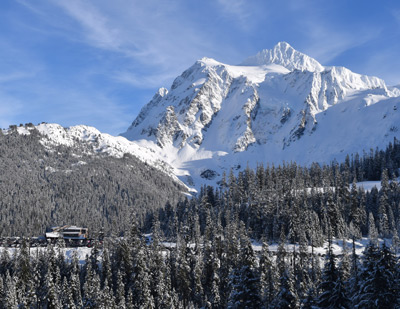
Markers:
{"x": 283, "y": 45}
{"x": 285, "y": 55}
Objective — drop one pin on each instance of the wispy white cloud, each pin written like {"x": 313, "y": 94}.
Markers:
{"x": 237, "y": 10}
{"x": 323, "y": 37}
{"x": 140, "y": 31}
{"x": 27, "y": 4}
{"x": 327, "y": 43}
{"x": 95, "y": 109}
{"x": 142, "y": 81}
{"x": 326, "y": 38}
{"x": 380, "y": 66}
{"x": 396, "y": 15}
{"x": 146, "y": 33}
{"x": 15, "y": 76}
{"x": 66, "y": 105}
{"x": 96, "y": 26}
{"x": 10, "y": 108}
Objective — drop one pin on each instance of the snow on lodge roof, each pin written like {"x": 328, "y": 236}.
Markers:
{"x": 67, "y": 232}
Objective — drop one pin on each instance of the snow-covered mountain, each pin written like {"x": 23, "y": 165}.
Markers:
{"x": 279, "y": 105}
{"x": 96, "y": 143}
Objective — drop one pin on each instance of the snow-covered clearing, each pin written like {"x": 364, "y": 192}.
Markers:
{"x": 337, "y": 246}
{"x": 81, "y": 252}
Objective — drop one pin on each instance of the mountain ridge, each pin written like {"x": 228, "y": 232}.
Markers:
{"x": 277, "y": 103}
{"x": 217, "y": 116}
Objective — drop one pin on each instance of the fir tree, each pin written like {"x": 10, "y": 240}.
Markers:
{"x": 332, "y": 293}
{"x": 372, "y": 232}
{"x": 120, "y": 291}
{"x": 91, "y": 286}
{"x": 379, "y": 286}
{"x": 196, "y": 277}
{"x": 67, "y": 299}
{"x": 142, "y": 296}
{"x": 183, "y": 271}
{"x": 2, "y": 294}
{"x": 267, "y": 276}
{"x": 52, "y": 296}
{"x": 107, "y": 300}
{"x": 287, "y": 296}
{"x": 244, "y": 281}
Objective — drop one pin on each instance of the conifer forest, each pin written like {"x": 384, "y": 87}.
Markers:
{"x": 163, "y": 249}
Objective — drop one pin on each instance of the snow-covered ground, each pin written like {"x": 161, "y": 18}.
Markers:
{"x": 337, "y": 246}
{"x": 81, "y": 252}
{"x": 368, "y": 185}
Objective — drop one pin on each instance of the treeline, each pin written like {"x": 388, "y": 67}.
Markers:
{"x": 45, "y": 185}
{"x": 303, "y": 202}
{"x": 305, "y": 206}
{"x": 217, "y": 270}
{"x": 369, "y": 166}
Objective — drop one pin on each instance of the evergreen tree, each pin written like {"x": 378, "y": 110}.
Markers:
{"x": 287, "y": 296}
{"x": 372, "y": 232}
{"x": 107, "y": 299}
{"x": 345, "y": 263}
{"x": 142, "y": 296}
{"x": 244, "y": 281}
{"x": 24, "y": 284}
{"x": 52, "y": 296}
{"x": 169, "y": 297}
{"x": 268, "y": 280}
{"x": 157, "y": 266}
{"x": 196, "y": 277}
{"x": 183, "y": 271}
{"x": 91, "y": 286}
{"x": 357, "y": 213}
{"x": 379, "y": 285}
{"x": 106, "y": 271}
{"x": 120, "y": 291}
{"x": 332, "y": 292}
{"x": 395, "y": 241}
{"x": 74, "y": 281}
{"x": 383, "y": 206}
{"x": 2, "y": 294}
{"x": 67, "y": 299}
{"x": 11, "y": 300}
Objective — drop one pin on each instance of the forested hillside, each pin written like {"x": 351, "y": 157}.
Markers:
{"x": 305, "y": 204}
{"x": 41, "y": 186}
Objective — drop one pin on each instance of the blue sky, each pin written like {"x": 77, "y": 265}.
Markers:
{"x": 98, "y": 62}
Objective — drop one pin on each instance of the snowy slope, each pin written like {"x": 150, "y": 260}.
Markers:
{"x": 279, "y": 105}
